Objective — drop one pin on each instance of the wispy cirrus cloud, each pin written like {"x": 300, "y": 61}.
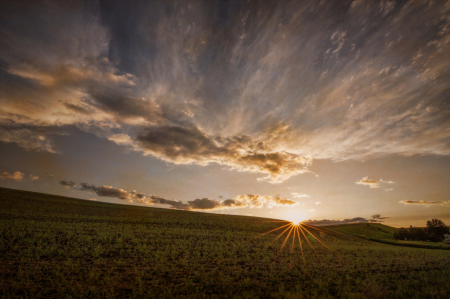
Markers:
{"x": 259, "y": 95}
{"x": 299, "y": 195}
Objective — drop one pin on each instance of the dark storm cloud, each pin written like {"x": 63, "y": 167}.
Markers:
{"x": 240, "y": 201}
{"x": 185, "y": 81}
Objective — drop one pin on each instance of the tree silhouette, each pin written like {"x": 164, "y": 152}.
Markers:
{"x": 436, "y": 229}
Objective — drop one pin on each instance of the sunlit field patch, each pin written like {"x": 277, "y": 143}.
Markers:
{"x": 56, "y": 247}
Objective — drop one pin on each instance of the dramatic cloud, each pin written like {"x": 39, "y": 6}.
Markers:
{"x": 326, "y": 222}
{"x": 239, "y": 201}
{"x": 251, "y": 89}
{"x": 34, "y": 177}
{"x": 190, "y": 145}
{"x": 17, "y": 176}
{"x": 425, "y": 202}
{"x": 372, "y": 183}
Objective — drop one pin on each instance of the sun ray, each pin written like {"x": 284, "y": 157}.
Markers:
{"x": 292, "y": 227}
{"x": 280, "y": 235}
{"x": 270, "y": 231}
{"x": 307, "y": 239}
{"x": 298, "y": 229}
{"x": 316, "y": 238}
{"x": 331, "y": 250}
{"x": 322, "y": 230}
{"x": 315, "y": 227}
{"x": 293, "y": 239}
{"x": 301, "y": 247}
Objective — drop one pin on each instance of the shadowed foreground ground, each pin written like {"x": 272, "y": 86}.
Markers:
{"x": 58, "y": 247}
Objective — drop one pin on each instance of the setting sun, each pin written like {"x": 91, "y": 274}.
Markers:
{"x": 294, "y": 215}
{"x": 187, "y": 149}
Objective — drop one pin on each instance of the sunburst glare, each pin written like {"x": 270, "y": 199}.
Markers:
{"x": 297, "y": 232}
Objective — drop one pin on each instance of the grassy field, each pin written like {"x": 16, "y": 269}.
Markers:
{"x": 383, "y": 233}
{"x": 56, "y": 247}
{"x": 373, "y": 230}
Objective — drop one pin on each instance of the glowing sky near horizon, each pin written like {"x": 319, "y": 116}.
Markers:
{"x": 335, "y": 111}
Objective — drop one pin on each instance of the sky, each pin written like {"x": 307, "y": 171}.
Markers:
{"x": 328, "y": 111}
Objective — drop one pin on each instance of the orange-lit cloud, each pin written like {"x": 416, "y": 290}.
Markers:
{"x": 372, "y": 183}
{"x": 190, "y": 145}
{"x": 239, "y": 201}
{"x": 262, "y": 200}
{"x": 17, "y": 176}
{"x": 257, "y": 105}
{"x": 367, "y": 182}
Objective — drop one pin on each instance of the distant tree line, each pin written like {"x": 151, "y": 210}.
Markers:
{"x": 434, "y": 232}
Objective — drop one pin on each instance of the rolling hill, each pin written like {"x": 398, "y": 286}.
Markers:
{"x": 59, "y": 247}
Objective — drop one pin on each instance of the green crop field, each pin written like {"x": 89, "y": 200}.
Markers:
{"x": 57, "y": 247}
{"x": 374, "y": 230}
{"x": 383, "y": 233}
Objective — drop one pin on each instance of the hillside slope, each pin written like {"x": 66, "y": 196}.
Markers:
{"x": 372, "y": 230}
{"x": 58, "y": 247}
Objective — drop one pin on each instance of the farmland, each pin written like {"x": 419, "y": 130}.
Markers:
{"x": 383, "y": 233}
{"x": 57, "y": 247}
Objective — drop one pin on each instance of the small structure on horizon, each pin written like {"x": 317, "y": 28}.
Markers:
{"x": 447, "y": 239}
